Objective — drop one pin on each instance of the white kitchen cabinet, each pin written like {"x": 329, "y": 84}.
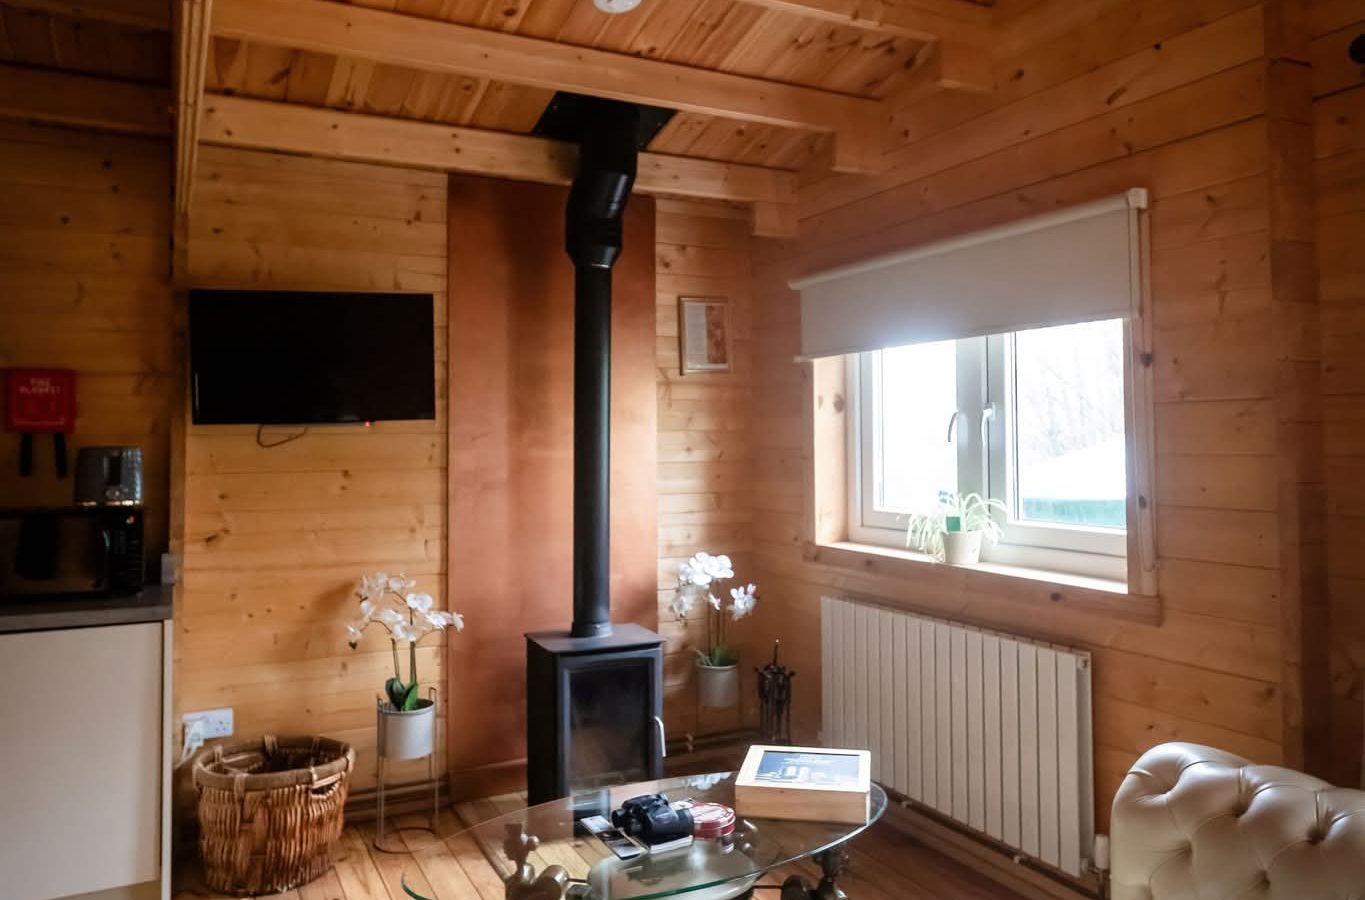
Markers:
{"x": 82, "y": 759}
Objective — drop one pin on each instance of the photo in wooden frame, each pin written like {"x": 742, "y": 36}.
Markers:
{"x": 705, "y": 343}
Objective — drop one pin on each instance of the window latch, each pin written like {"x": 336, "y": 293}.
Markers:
{"x": 987, "y": 414}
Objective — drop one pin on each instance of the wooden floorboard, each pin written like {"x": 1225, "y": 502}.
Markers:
{"x": 885, "y": 864}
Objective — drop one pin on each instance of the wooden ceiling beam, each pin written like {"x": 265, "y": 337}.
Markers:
{"x": 959, "y": 32}
{"x": 267, "y": 125}
{"x": 60, "y": 98}
{"x": 920, "y": 20}
{"x": 153, "y": 15}
{"x": 935, "y": 70}
{"x": 190, "y": 70}
{"x": 391, "y": 38}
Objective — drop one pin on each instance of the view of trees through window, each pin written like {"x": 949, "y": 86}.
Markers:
{"x": 1068, "y": 425}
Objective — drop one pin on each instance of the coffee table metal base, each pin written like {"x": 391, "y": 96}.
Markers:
{"x": 832, "y": 864}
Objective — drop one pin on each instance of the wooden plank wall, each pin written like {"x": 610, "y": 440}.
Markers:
{"x": 1339, "y": 132}
{"x": 706, "y": 444}
{"x": 1095, "y": 98}
{"x": 84, "y": 284}
{"x": 275, "y": 539}
{"x": 511, "y": 465}
{"x": 1296, "y": 349}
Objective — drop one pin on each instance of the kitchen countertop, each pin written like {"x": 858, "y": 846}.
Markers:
{"x": 151, "y": 604}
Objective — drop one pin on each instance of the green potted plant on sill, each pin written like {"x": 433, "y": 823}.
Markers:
{"x": 406, "y": 721}
{"x": 718, "y": 664}
{"x": 953, "y": 532}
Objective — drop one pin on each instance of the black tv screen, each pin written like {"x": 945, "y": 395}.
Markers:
{"x": 295, "y": 358}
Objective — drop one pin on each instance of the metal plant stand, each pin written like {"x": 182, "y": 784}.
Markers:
{"x": 381, "y": 832}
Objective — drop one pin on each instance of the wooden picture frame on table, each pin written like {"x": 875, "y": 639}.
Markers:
{"x": 705, "y": 335}
{"x": 805, "y": 784}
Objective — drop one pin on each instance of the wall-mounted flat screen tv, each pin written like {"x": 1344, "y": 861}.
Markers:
{"x": 296, "y": 358}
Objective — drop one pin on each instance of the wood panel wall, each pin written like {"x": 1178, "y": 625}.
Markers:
{"x": 707, "y": 448}
{"x": 1170, "y": 95}
{"x": 84, "y": 284}
{"x": 1339, "y": 133}
{"x": 511, "y": 451}
{"x": 275, "y": 539}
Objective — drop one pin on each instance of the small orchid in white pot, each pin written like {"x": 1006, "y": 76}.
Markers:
{"x": 388, "y": 601}
{"x": 699, "y": 580}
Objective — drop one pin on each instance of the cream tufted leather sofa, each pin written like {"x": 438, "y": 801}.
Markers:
{"x": 1194, "y": 823}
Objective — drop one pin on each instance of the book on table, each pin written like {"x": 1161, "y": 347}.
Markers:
{"x": 810, "y": 784}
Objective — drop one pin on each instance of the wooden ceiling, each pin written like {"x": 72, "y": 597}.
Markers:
{"x": 764, "y": 88}
{"x": 137, "y": 49}
{"x": 724, "y": 35}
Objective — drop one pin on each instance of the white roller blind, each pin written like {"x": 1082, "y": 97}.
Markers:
{"x": 1076, "y": 265}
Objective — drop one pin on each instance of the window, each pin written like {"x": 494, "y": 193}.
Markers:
{"x": 1035, "y": 419}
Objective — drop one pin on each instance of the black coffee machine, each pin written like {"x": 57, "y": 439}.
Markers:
{"x": 109, "y": 476}
{"x": 92, "y": 548}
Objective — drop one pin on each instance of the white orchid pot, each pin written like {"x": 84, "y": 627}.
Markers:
{"x": 717, "y": 686}
{"x": 961, "y": 548}
{"x": 409, "y": 734}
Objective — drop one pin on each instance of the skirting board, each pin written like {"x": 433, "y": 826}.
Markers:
{"x": 995, "y": 862}
{"x": 415, "y": 797}
{"x": 456, "y": 787}
{"x": 488, "y": 781}
{"x": 738, "y": 740}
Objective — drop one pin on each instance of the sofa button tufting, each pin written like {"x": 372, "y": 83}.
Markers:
{"x": 1235, "y": 860}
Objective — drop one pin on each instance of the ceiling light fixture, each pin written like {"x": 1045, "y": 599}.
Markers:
{"x": 616, "y": 7}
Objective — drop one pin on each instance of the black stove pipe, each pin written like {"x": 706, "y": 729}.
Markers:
{"x": 593, "y": 239}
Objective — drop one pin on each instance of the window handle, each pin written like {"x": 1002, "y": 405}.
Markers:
{"x": 952, "y": 424}
{"x": 987, "y": 414}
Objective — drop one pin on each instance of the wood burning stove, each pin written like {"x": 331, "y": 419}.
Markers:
{"x": 594, "y": 698}
{"x": 594, "y": 711}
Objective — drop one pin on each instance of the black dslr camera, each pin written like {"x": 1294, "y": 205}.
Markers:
{"x": 652, "y": 819}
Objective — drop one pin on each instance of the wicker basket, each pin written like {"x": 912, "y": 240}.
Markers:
{"x": 270, "y": 811}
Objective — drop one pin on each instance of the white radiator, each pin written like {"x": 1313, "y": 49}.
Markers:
{"x": 991, "y": 730}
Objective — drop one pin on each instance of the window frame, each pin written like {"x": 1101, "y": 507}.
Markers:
{"x": 864, "y": 369}
{"x": 985, "y": 465}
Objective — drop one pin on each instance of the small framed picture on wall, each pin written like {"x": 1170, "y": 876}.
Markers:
{"x": 704, "y": 343}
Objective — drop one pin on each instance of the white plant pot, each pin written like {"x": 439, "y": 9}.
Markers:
{"x": 717, "y": 686}
{"x": 407, "y": 735}
{"x": 961, "y": 548}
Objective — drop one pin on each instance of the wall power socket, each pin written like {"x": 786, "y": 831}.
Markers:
{"x": 213, "y": 723}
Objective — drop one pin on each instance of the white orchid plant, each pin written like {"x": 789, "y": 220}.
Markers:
{"x": 390, "y": 602}
{"x": 699, "y": 581}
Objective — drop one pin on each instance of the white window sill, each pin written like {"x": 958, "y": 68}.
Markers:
{"x": 1065, "y": 590}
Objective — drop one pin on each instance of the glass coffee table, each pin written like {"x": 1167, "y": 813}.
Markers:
{"x": 540, "y": 853}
